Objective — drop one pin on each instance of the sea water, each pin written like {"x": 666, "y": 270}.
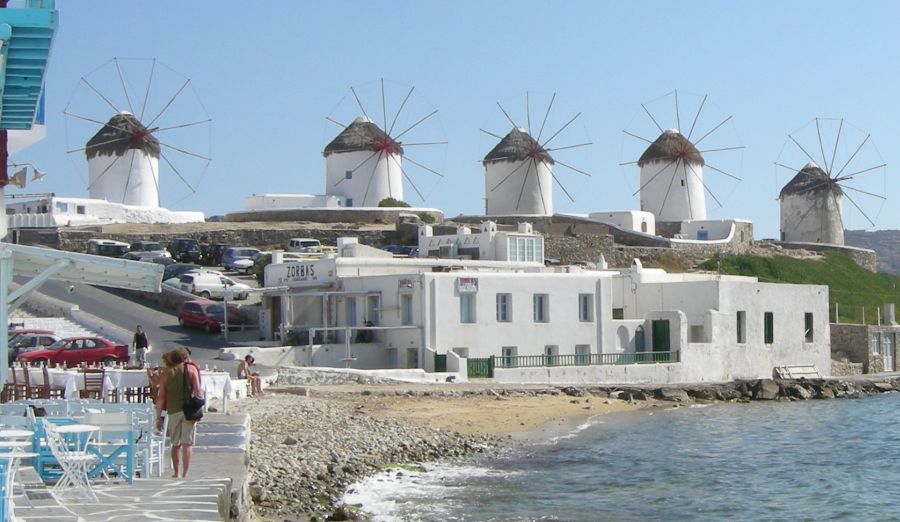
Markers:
{"x": 810, "y": 460}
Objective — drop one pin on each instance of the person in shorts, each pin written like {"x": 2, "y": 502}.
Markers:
{"x": 173, "y": 389}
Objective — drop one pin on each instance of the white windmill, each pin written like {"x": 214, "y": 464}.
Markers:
{"x": 158, "y": 128}
{"x": 811, "y": 203}
{"x": 366, "y": 164}
{"x": 672, "y": 183}
{"x": 518, "y": 171}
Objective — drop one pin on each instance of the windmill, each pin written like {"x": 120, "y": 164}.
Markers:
{"x": 137, "y": 122}
{"x": 841, "y": 161}
{"x": 367, "y": 163}
{"x": 672, "y": 182}
{"x": 518, "y": 171}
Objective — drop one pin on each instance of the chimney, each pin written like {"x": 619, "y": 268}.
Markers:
{"x": 889, "y": 314}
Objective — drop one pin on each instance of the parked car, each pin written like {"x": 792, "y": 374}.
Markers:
{"x": 233, "y": 254}
{"x": 21, "y": 341}
{"x": 73, "y": 351}
{"x": 149, "y": 257}
{"x": 304, "y": 244}
{"x": 185, "y": 250}
{"x": 212, "y": 285}
{"x": 178, "y": 269}
{"x": 149, "y": 246}
{"x": 212, "y": 256}
{"x": 106, "y": 247}
{"x": 402, "y": 250}
{"x": 208, "y": 315}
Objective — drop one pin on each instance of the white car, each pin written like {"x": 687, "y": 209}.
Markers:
{"x": 242, "y": 265}
{"x": 213, "y": 286}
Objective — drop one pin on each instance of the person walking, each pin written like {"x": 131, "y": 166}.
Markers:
{"x": 179, "y": 381}
{"x": 141, "y": 345}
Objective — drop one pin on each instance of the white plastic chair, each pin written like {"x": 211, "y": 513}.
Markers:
{"x": 150, "y": 450}
{"x": 74, "y": 461}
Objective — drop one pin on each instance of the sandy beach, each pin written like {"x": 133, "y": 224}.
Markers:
{"x": 516, "y": 414}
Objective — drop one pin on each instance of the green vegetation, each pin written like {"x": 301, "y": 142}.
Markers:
{"x": 426, "y": 218}
{"x": 259, "y": 268}
{"x": 850, "y": 286}
{"x": 392, "y": 202}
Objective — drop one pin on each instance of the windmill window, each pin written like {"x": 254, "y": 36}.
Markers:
{"x": 348, "y": 174}
{"x": 682, "y": 183}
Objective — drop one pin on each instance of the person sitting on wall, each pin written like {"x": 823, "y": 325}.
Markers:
{"x": 244, "y": 372}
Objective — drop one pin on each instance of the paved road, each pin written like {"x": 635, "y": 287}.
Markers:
{"x": 121, "y": 310}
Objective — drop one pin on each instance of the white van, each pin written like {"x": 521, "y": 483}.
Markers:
{"x": 305, "y": 245}
{"x": 210, "y": 285}
{"x": 106, "y": 247}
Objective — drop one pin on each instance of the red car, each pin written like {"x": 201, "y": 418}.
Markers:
{"x": 209, "y": 315}
{"x": 76, "y": 350}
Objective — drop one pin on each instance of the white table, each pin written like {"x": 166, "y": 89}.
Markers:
{"x": 216, "y": 385}
{"x": 76, "y": 463}
{"x": 118, "y": 379}
{"x": 11, "y": 460}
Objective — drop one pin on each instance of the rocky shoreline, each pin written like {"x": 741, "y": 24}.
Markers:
{"x": 306, "y": 451}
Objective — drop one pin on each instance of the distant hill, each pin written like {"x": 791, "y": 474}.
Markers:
{"x": 849, "y": 285}
{"x": 885, "y": 243}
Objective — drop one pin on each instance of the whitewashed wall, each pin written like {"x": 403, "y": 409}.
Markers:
{"x": 131, "y": 179}
{"x": 383, "y": 170}
{"x": 671, "y": 199}
{"x": 634, "y": 220}
{"x": 812, "y": 218}
{"x": 504, "y": 198}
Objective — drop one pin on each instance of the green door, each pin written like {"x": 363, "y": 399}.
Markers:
{"x": 660, "y": 332}
{"x": 480, "y": 367}
{"x": 440, "y": 362}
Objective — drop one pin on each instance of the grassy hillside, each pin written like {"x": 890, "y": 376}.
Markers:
{"x": 850, "y": 286}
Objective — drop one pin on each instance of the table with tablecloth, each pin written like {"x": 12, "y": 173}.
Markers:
{"x": 217, "y": 385}
{"x": 72, "y": 381}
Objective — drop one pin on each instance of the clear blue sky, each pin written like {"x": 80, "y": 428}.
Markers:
{"x": 268, "y": 74}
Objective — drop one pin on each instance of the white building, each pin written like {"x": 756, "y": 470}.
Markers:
{"x": 518, "y": 177}
{"x": 123, "y": 163}
{"x": 362, "y": 165}
{"x": 290, "y": 201}
{"x": 58, "y": 211}
{"x": 487, "y": 243}
{"x": 672, "y": 179}
{"x": 811, "y": 208}
{"x": 632, "y": 220}
{"x": 534, "y": 324}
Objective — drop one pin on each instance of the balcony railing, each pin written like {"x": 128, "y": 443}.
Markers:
{"x": 594, "y": 359}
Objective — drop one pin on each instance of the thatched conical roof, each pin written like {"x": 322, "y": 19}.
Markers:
{"x": 671, "y": 145}
{"x": 120, "y": 134}
{"x": 811, "y": 179}
{"x": 362, "y": 135}
{"x": 517, "y": 146}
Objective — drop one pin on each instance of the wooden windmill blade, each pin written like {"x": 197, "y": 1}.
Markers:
{"x": 519, "y": 168}
{"x": 389, "y": 139}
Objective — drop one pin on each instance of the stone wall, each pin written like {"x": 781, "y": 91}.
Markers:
{"x": 861, "y": 256}
{"x": 852, "y": 343}
{"x": 342, "y": 215}
{"x": 845, "y": 369}
{"x": 74, "y": 239}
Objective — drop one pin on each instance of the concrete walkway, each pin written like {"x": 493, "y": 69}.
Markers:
{"x": 215, "y": 490}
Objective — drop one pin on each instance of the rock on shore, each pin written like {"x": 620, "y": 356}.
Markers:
{"x": 306, "y": 451}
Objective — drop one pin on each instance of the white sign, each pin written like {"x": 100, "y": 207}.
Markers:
{"x": 301, "y": 273}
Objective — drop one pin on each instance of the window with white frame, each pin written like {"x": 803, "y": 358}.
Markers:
{"x": 876, "y": 343}
{"x": 541, "y": 308}
{"x": 406, "y": 309}
{"x": 504, "y": 308}
{"x": 508, "y": 358}
{"x": 467, "y": 308}
{"x": 582, "y": 354}
{"x": 522, "y": 248}
{"x": 586, "y": 308}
